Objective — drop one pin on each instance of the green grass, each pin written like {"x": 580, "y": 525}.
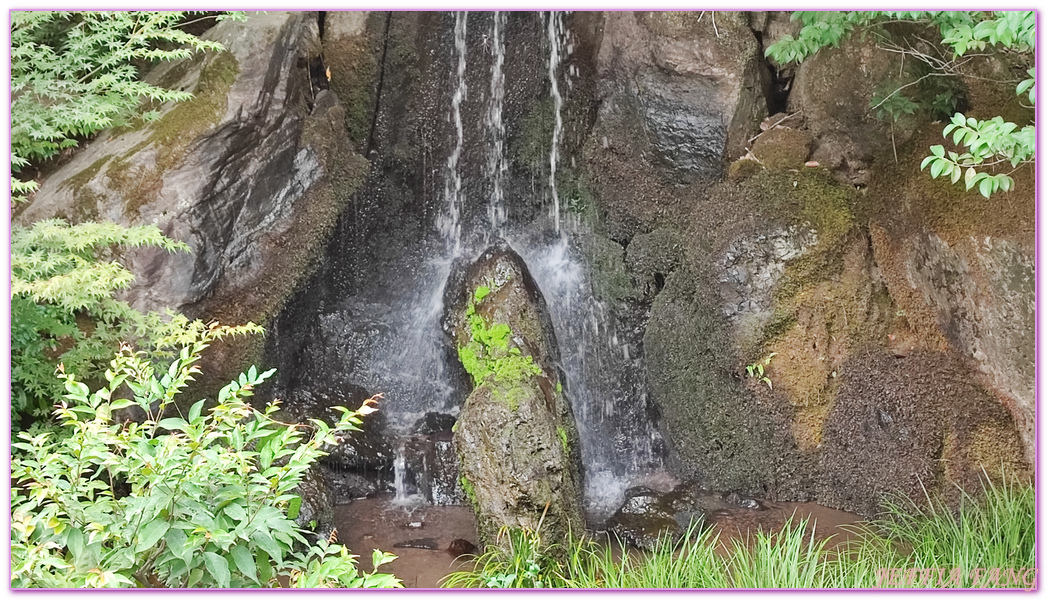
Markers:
{"x": 785, "y": 558}
{"x": 913, "y": 545}
{"x": 691, "y": 562}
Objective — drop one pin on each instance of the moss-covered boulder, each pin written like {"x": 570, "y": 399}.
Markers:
{"x": 910, "y": 426}
{"x": 352, "y": 52}
{"x": 251, "y": 173}
{"x": 515, "y": 435}
{"x": 720, "y": 435}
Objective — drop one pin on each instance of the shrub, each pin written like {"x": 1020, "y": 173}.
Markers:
{"x": 63, "y": 309}
{"x": 195, "y": 500}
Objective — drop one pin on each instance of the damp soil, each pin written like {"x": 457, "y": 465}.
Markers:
{"x": 421, "y": 535}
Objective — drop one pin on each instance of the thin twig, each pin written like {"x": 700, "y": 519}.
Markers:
{"x": 776, "y": 124}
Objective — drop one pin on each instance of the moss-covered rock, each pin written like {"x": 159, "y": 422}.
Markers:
{"x": 909, "y": 426}
{"x": 782, "y": 148}
{"x": 719, "y": 433}
{"x": 352, "y": 51}
{"x": 960, "y": 268}
{"x": 244, "y": 172}
{"x": 515, "y": 436}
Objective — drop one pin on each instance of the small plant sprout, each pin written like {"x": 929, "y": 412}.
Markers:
{"x": 757, "y": 370}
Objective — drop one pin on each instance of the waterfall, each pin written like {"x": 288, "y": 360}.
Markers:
{"x": 450, "y": 224}
{"x": 496, "y": 160}
{"x": 371, "y": 318}
{"x": 605, "y": 376}
{"x": 555, "y": 31}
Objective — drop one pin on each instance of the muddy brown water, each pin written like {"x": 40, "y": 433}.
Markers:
{"x": 420, "y": 534}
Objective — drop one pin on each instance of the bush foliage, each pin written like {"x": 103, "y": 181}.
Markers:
{"x": 202, "y": 499}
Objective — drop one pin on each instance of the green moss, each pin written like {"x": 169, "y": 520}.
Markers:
{"x": 489, "y": 358}
{"x": 806, "y": 199}
{"x": 564, "y": 439}
{"x": 353, "y": 61}
{"x": 535, "y": 137}
{"x": 173, "y": 133}
{"x": 189, "y": 119}
{"x": 86, "y": 201}
{"x": 611, "y": 279}
{"x": 469, "y": 489}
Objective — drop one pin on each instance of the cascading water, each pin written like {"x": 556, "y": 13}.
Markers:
{"x": 400, "y": 477}
{"x": 450, "y": 223}
{"x": 496, "y": 160}
{"x": 556, "y": 35}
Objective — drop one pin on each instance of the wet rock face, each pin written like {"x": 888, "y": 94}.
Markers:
{"x": 696, "y": 87}
{"x": 432, "y": 466}
{"x": 515, "y": 436}
{"x": 316, "y": 512}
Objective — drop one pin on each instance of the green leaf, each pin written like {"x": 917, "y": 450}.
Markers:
{"x": 151, "y": 534}
{"x": 218, "y": 568}
{"x": 293, "y": 507}
{"x": 244, "y": 561}
{"x": 986, "y": 187}
{"x": 937, "y": 167}
{"x": 938, "y": 150}
{"x": 121, "y": 403}
{"x": 195, "y": 410}
{"x": 379, "y": 558}
{"x": 235, "y": 512}
{"x": 173, "y": 424}
{"x": 265, "y": 569}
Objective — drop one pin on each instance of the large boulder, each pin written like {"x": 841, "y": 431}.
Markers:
{"x": 251, "y": 173}
{"x": 679, "y": 94}
{"x": 515, "y": 435}
{"x": 694, "y": 81}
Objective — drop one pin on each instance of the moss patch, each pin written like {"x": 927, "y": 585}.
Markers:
{"x": 782, "y": 148}
{"x": 174, "y": 132}
{"x": 530, "y": 148}
{"x": 353, "y": 60}
{"x": 489, "y": 357}
{"x": 902, "y": 197}
{"x": 189, "y": 119}
{"x": 85, "y": 200}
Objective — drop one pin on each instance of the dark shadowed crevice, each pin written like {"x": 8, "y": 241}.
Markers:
{"x": 781, "y": 80}
{"x": 381, "y": 80}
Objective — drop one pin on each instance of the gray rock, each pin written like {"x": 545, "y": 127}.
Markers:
{"x": 245, "y": 173}
{"x": 347, "y": 486}
{"x": 647, "y": 516}
{"x": 316, "y": 513}
{"x": 697, "y": 88}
